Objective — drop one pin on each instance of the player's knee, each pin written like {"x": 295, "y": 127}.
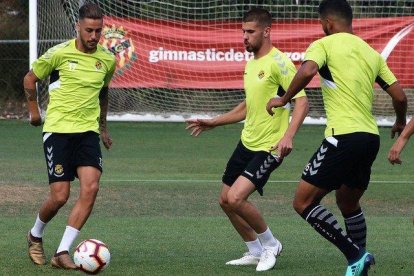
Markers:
{"x": 60, "y": 199}
{"x": 347, "y": 208}
{"x": 225, "y": 206}
{"x": 341, "y": 203}
{"x": 91, "y": 188}
{"x": 234, "y": 202}
{"x": 223, "y": 203}
{"x": 298, "y": 205}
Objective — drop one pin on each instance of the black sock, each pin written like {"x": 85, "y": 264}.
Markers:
{"x": 326, "y": 224}
{"x": 356, "y": 227}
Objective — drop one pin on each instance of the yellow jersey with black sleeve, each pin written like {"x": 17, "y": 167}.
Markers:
{"x": 348, "y": 68}
{"x": 266, "y": 78}
{"x": 76, "y": 79}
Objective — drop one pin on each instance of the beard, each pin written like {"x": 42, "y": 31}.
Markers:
{"x": 250, "y": 48}
{"x": 89, "y": 45}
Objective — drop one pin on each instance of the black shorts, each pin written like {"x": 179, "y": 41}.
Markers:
{"x": 343, "y": 159}
{"x": 64, "y": 152}
{"x": 254, "y": 165}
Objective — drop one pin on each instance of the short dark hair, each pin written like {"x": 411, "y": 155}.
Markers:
{"x": 340, "y": 8}
{"x": 259, "y": 15}
{"x": 90, "y": 10}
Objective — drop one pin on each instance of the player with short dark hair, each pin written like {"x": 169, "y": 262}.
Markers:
{"x": 80, "y": 71}
{"x": 348, "y": 68}
{"x": 266, "y": 76}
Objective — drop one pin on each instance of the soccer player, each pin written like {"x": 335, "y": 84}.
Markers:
{"x": 348, "y": 68}
{"x": 80, "y": 71}
{"x": 395, "y": 151}
{"x": 266, "y": 76}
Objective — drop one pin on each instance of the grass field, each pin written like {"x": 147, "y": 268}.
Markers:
{"x": 157, "y": 208}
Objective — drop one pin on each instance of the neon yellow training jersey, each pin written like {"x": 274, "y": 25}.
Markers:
{"x": 266, "y": 78}
{"x": 76, "y": 79}
{"x": 348, "y": 67}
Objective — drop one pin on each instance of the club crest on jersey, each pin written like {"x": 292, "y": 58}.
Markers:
{"x": 261, "y": 74}
{"x": 98, "y": 65}
{"x": 116, "y": 40}
{"x": 58, "y": 170}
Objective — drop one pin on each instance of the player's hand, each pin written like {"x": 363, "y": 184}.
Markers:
{"x": 106, "y": 139}
{"x": 394, "y": 153}
{"x": 274, "y": 102}
{"x": 394, "y": 158}
{"x": 397, "y": 128}
{"x": 284, "y": 147}
{"x": 35, "y": 119}
{"x": 196, "y": 126}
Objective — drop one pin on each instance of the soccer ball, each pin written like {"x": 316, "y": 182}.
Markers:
{"x": 91, "y": 256}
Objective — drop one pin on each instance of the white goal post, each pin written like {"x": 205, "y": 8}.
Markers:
{"x": 183, "y": 58}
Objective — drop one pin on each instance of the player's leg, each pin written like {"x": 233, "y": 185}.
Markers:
{"x": 364, "y": 148}
{"x": 241, "y": 226}
{"x": 59, "y": 193}
{"x": 248, "y": 235}
{"x": 87, "y": 158}
{"x": 254, "y": 177}
{"x": 89, "y": 186}
{"x": 56, "y": 152}
{"x": 62, "y": 259}
{"x": 307, "y": 204}
{"x": 57, "y": 198}
{"x": 325, "y": 172}
{"x": 327, "y": 226}
{"x": 347, "y": 200}
{"x": 237, "y": 198}
{"x": 240, "y": 161}
{"x": 329, "y": 167}
{"x": 237, "y": 201}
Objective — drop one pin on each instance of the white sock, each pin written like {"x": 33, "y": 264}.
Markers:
{"x": 68, "y": 238}
{"x": 38, "y": 228}
{"x": 267, "y": 239}
{"x": 255, "y": 247}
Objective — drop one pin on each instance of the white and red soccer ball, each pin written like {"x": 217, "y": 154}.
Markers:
{"x": 91, "y": 256}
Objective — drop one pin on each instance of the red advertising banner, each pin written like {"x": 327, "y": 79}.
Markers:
{"x": 211, "y": 55}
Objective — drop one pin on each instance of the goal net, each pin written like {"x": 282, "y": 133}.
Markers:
{"x": 183, "y": 58}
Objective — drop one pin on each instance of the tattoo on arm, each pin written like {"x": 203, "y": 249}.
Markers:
{"x": 103, "y": 102}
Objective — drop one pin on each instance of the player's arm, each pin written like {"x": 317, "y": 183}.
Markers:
{"x": 103, "y": 103}
{"x": 300, "y": 110}
{"x": 304, "y": 75}
{"x": 395, "y": 151}
{"x": 29, "y": 84}
{"x": 41, "y": 68}
{"x": 399, "y": 102}
{"x": 237, "y": 114}
{"x": 388, "y": 82}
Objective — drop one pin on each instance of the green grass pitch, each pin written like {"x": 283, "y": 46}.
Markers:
{"x": 157, "y": 208}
